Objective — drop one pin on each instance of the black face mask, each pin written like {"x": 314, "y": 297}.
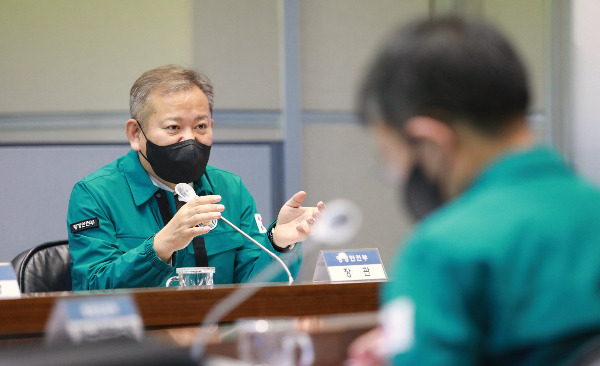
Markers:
{"x": 181, "y": 162}
{"x": 422, "y": 196}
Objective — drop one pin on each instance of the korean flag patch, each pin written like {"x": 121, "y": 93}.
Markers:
{"x": 259, "y": 223}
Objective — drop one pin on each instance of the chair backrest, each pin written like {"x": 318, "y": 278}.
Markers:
{"x": 44, "y": 268}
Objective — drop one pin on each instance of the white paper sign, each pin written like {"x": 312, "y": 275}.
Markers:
{"x": 9, "y": 288}
{"x": 94, "y": 318}
{"x": 349, "y": 265}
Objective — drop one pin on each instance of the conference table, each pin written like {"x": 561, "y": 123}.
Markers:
{"x": 332, "y": 313}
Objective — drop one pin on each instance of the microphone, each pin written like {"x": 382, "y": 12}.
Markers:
{"x": 339, "y": 222}
{"x": 187, "y": 193}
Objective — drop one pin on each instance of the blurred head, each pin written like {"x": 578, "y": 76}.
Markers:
{"x": 438, "y": 90}
{"x": 454, "y": 70}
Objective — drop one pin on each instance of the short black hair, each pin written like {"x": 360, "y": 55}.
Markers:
{"x": 452, "y": 69}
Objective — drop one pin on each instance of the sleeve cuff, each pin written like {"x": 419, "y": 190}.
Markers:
{"x": 153, "y": 257}
{"x": 275, "y": 246}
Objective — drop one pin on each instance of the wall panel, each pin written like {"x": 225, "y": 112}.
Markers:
{"x": 37, "y": 181}
{"x": 73, "y": 55}
{"x": 236, "y": 43}
{"x": 337, "y": 39}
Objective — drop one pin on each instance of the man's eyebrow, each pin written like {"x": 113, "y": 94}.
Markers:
{"x": 175, "y": 119}
{"x": 179, "y": 119}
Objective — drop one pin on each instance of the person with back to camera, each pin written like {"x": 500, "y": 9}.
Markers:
{"x": 121, "y": 230}
{"x": 504, "y": 268}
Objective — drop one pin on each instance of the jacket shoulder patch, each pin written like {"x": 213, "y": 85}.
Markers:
{"x": 84, "y": 225}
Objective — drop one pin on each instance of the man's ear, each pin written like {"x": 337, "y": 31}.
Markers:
{"x": 432, "y": 130}
{"x": 133, "y": 131}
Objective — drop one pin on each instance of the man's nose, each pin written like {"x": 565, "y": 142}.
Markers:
{"x": 187, "y": 134}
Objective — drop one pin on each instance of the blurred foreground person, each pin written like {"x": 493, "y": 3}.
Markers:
{"x": 504, "y": 268}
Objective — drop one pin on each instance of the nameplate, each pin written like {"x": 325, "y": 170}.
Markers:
{"x": 349, "y": 266}
{"x": 9, "y": 288}
{"x": 94, "y": 318}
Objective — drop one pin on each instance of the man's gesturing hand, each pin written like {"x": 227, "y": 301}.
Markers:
{"x": 294, "y": 221}
{"x": 181, "y": 229}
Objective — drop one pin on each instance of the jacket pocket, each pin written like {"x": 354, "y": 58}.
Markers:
{"x": 223, "y": 238}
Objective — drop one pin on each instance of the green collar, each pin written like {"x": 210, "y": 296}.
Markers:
{"x": 141, "y": 186}
{"x": 518, "y": 165}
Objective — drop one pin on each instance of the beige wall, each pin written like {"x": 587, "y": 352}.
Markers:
{"x": 82, "y": 56}
{"x": 74, "y": 55}
{"x": 237, "y": 45}
{"x": 338, "y": 38}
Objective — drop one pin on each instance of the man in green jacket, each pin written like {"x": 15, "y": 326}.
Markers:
{"x": 122, "y": 230}
{"x": 504, "y": 268}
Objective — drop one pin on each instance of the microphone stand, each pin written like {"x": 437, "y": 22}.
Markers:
{"x": 339, "y": 224}
{"x": 290, "y": 278}
{"x": 230, "y": 302}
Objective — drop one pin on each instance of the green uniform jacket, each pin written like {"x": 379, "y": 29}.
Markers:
{"x": 506, "y": 274}
{"x": 118, "y": 253}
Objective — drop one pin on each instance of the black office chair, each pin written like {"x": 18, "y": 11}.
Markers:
{"x": 44, "y": 268}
